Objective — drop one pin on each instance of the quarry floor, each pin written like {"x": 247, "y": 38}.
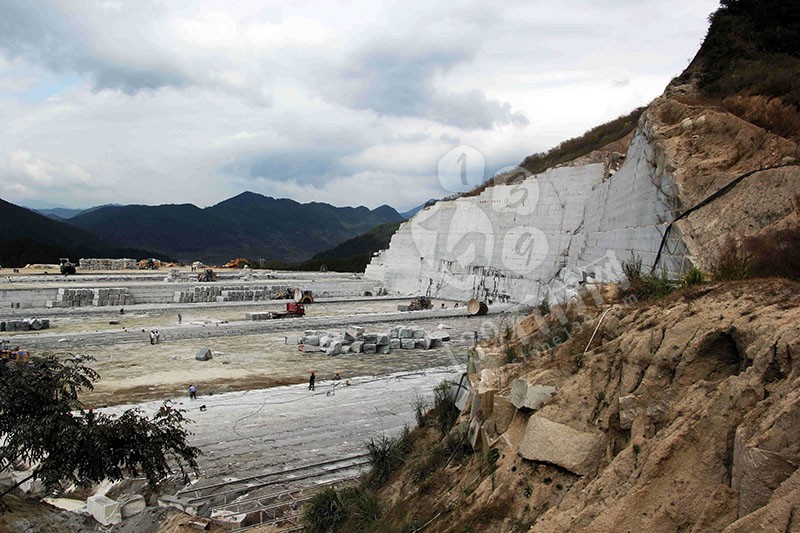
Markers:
{"x": 259, "y": 414}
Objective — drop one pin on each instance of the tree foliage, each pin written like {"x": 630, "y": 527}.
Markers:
{"x": 43, "y": 423}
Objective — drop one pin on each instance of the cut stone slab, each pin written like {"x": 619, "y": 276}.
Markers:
{"x": 394, "y": 344}
{"x": 325, "y": 341}
{"x": 394, "y": 333}
{"x": 384, "y": 349}
{"x": 405, "y": 333}
{"x": 353, "y": 332}
{"x": 313, "y": 340}
{"x": 418, "y": 333}
{"x": 382, "y": 340}
{"x": 357, "y": 347}
{"x": 370, "y": 338}
{"x": 132, "y": 505}
{"x": 104, "y": 510}
{"x": 407, "y": 344}
{"x": 370, "y": 347}
{"x": 291, "y": 339}
{"x": 550, "y": 442}
{"x": 527, "y": 396}
{"x": 334, "y": 349}
{"x": 203, "y": 354}
{"x": 308, "y": 348}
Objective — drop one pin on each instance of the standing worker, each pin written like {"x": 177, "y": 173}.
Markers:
{"x": 192, "y": 392}
{"x": 179, "y": 318}
{"x": 311, "y": 379}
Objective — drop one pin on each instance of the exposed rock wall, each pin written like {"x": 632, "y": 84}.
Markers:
{"x": 543, "y": 235}
{"x": 549, "y": 232}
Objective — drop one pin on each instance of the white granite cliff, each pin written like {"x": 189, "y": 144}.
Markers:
{"x": 542, "y": 236}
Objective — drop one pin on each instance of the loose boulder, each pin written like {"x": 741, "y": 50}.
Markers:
{"x": 525, "y": 395}
{"x": 203, "y": 354}
{"x": 104, "y": 510}
{"x": 550, "y": 442}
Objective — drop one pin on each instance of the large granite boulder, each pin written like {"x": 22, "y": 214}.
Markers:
{"x": 550, "y": 442}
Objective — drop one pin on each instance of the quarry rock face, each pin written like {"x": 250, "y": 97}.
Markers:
{"x": 558, "y": 444}
{"x": 550, "y": 232}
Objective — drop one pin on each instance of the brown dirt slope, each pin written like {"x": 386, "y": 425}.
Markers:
{"x": 693, "y": 408}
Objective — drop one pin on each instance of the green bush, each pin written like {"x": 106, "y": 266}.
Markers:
{"x": 324, "y": 512}
{"x": 694, "y": 276}
{"x": 386, "y": 454}
{"x": 646, "y": 286}
{"x": 420, "y": 405}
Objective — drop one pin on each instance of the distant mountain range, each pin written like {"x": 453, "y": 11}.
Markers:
{"x": 28, "y": 237}
{"x": 248, "y": 225}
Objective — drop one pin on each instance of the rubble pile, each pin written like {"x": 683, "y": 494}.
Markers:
{"x": 355, "y": 340}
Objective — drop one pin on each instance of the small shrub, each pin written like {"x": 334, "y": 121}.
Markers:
{"x": 527, "y": 490}
{"x": 360, "y": 504}
{"x": 324, "y": 512}
{"x": 732, "y": 263}
{"x": 547, "y": 480}
{"x": 386, "y": 454}
{"x": 637, "y": 449}
{"x": 646, "y": 286}
{"x": 693, "y": 277}
{"x": 420, "y": 405}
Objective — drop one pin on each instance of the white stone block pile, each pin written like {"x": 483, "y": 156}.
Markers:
{"x": 355, "y": 340}
{"x": 225, "y": 293}
{"x": 29, "y": 324}
{"x": 108, "y": 264}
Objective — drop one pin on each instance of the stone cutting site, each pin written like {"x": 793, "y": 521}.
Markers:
{"x": 250, "y": 363}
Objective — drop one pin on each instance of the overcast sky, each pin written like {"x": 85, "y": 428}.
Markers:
{"x": 349, "y": 103}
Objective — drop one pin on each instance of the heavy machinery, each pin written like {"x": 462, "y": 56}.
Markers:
{"x": 66, "y": 266}
{"x": 207, "y": 275}
{"x": 149, "y": 264}
{"x": 13, "y": 354}
{"x": 419, "y": 303}
{"x": 239, "y": 262}
{"x": 293, "y": 310}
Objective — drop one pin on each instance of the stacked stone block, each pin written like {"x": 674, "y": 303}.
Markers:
{"x": 225, "y": 293}
{"x": 355, "y": 340}
{"x": 29, "y": 324}
{"x": 108, "y": 264}
{"x": 112, "y": 297}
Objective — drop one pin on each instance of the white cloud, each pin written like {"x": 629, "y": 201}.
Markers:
{"x": 150, "y": 102}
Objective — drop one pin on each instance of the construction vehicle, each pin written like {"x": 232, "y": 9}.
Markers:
{"x": 293, "y": 310}
{"x": 419, "y": 303}
{"x": 207, "y": 275}
{"x": 149, "y": 264}
{"x": 239, "y": 262}
{"x": 67, "y": 267}
{"x": 13, "y": 354}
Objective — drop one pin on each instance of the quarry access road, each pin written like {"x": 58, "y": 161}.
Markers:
{"x": 53, "y": 341}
